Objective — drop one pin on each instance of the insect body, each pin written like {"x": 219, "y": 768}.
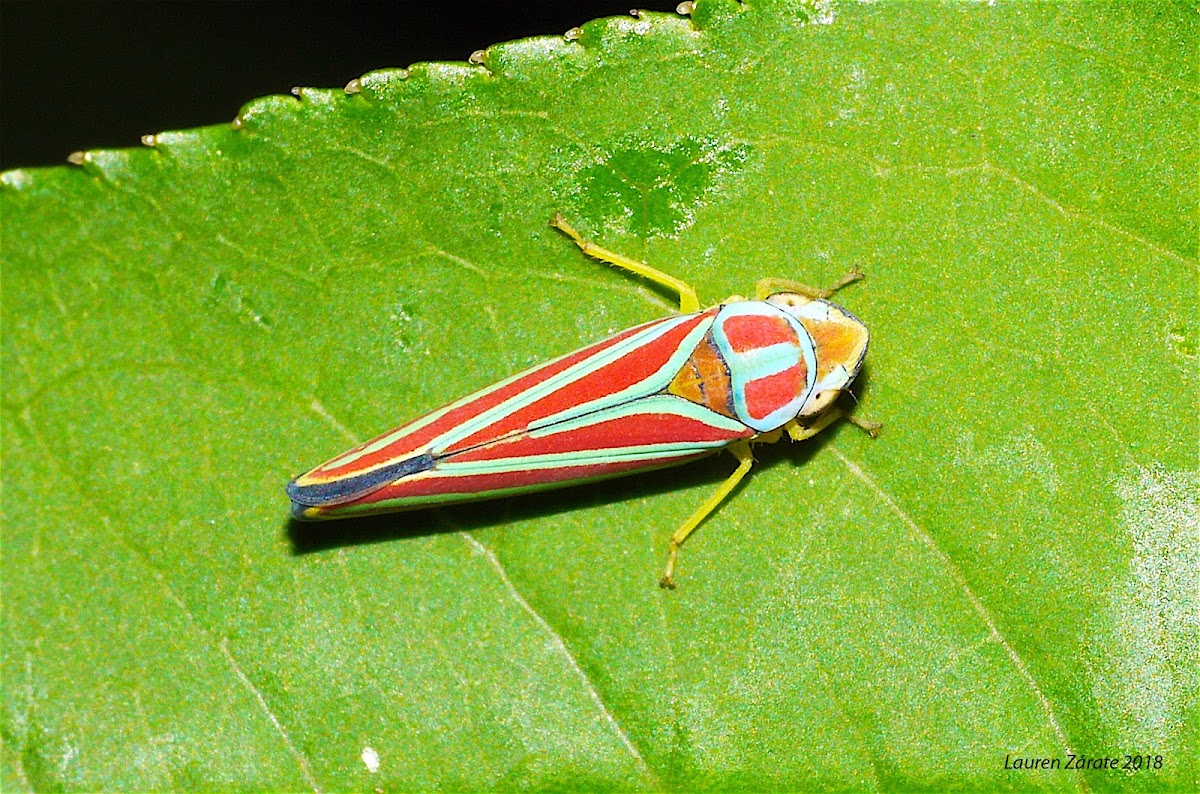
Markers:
{"x": 659, "y": 394}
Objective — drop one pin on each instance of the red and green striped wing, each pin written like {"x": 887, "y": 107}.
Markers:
{"x": 599, "y": 412}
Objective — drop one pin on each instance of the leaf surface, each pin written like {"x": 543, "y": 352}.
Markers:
{"x": 1009, "y": 572}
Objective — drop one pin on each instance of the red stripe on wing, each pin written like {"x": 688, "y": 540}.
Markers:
{"x": 415, "y": 442}
{"x": 605, "y": 448}
{"x": 482, "y": 486}
{"x": 611, "y": 435}
{"x": 611, "y": 378}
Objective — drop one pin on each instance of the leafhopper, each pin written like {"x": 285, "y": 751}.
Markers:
{"x": 659, "y": 394}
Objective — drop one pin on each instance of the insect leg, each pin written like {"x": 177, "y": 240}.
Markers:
{"x": 688, "y": 302}
{"x": 866, "y": 425}
{"x": 799, "y": 432}
{"x": 769, "y": 286}
{"x": 741, "y": 451}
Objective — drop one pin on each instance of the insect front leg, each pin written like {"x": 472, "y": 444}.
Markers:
{"x": 766, "y": 287}
{"x": 799, "y": 432}
{"x": 688, "y": 302}
{"x": 741, "y": 451}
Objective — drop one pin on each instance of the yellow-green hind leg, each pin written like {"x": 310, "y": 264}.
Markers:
{"x": 688, "y": 302}
{"x": 769, "y": 286}
{"x": 741, "y": 451}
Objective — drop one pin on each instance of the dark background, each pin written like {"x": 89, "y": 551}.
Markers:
{"x": 100, "y": 74}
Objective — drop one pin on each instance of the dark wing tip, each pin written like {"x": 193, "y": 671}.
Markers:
{"x": 349, "y": 488}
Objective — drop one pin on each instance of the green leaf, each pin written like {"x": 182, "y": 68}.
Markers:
{"x": 1009, "y": 572}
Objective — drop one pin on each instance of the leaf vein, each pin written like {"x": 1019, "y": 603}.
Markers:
{"x": 561, "y": 645}
{"x": 1114, "y": 62}
{"x": 301, "y": 759}
{"x": 1078, "y": 214}
{"x": 977, "y": 604}
{"x": 320, "y": 410}
{"x": 143, "y": 559}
